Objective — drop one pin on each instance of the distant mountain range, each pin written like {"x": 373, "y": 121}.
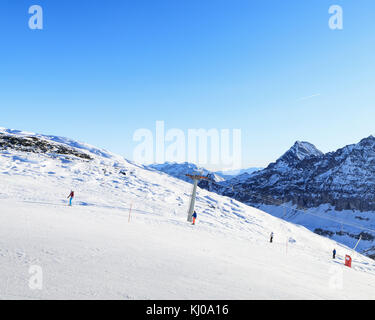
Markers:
{"x": 235, "y": 173}
{"x": 179, "y": 170}
{"x": 332, "y": 194}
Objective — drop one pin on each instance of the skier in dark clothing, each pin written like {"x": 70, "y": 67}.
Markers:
{"x": 70, "y": 197}
{"x": 334, "y": 254}
{"x": 271, "y": 237}
{"x": 194, "y": 216}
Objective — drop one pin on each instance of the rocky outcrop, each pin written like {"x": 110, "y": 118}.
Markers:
{"x": 38, "y": 145}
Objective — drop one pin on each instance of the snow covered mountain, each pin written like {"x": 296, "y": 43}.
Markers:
{"x": 299, "y": 151}
{"x": 126, "y": 235}
{"x": 338, "y": 186}
{"x": 179, "y": 170}
{"x": 235, "y": 173}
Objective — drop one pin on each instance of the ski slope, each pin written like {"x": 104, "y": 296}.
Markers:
{"x": 100, "y": 249}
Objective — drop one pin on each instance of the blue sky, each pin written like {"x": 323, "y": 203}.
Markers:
{"x": 99, "y": 70}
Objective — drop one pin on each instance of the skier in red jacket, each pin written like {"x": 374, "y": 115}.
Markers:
{"x": 70, "y": 197}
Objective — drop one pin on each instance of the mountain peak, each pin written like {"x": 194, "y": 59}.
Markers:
{"x": 369, "y": 141}
{"x": 299, "y": 151}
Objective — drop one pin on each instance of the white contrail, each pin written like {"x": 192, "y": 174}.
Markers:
{"x": 309, "y": 97}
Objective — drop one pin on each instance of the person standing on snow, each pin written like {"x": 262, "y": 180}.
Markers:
{"x": 70, "y": 197}
{"x": 271, "y": 237}
{"x": 194, "y": 217}
{"x": 334, "y": 254}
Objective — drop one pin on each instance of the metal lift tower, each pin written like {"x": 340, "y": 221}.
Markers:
{"x": 195, "y": 179}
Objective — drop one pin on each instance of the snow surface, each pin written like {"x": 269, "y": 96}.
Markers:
{"x": 94, "y": 251}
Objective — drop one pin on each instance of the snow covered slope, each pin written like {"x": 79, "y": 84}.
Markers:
{"x": 99, "y": 248}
